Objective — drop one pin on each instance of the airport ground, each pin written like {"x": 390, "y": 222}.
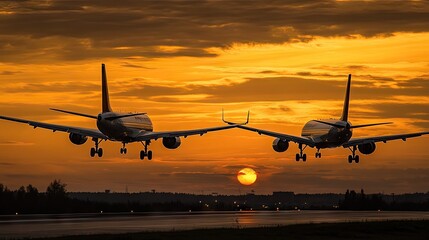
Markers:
{"x": 392, "y": 230}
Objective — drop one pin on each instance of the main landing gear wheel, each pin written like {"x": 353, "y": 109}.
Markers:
{"x": 96, "y": 150}
{"x": 353, "y": 157}
{"x": 148, "y": 155}
{"x": 123, "y": 149}
{"x": 100, "y": 152}
{"x": 301, "y": 155}
{"x": 145, "y": 153}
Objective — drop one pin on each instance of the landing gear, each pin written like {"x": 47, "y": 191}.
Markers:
{"x": 145, "y": 153}
{"x": 123, "y": 149}
{"x": 96, "y": 150}
{"x": 301, "y": 155}
{"x": 353, "y": 157}
{"x": 318, "y": 153}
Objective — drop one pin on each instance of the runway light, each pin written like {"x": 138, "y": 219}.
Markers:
{"x": 101, "y": 211}
{"x": 16, "y": 213}
{"x": 132, "y": 211}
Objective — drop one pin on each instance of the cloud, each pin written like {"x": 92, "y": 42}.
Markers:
{"x": 286, "y": 88}
{"x": 75, "y": 30}
{"x": 15, "y": 143}
{"x": 9, "y": 72}
{"x": 127, "y": 64}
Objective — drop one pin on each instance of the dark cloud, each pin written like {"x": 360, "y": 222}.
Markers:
{"x": 398, "y": 110}
{"x": 286, "y": 88}
{"x": 29, "y": 111}
{"x": 72, "y": 87}
{"x": 423, "y": 125}
{"x": 15, "y": 143}
{"x": 76, "y": 30}
{"x": 127, "y": 64}
{"x": 9, "y": 72}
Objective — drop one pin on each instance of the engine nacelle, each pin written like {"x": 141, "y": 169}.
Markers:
{"x": 280, "y": 145}
{"x": 171, "y": 142}
{"x": 77, "y": 139}
{"x": 367, "y": 148}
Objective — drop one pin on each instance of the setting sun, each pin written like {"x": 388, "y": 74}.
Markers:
{"x": 246, "y": 176}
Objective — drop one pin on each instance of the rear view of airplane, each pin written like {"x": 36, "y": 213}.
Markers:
{"x": 330, "y": 133}
{"x": 124, "y": 128}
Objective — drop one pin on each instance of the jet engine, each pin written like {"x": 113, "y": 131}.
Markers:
{"x": 280, "y": 145}
{"x": 77, "y": 138}
{"x": 171, "y": 142}
{"x": 367, "y": 148}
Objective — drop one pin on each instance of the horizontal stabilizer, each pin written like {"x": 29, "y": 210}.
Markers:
{"x": 331, "y": 124}
{"x": 369, "y": 125}
{"x": 123, "y": 116}
{"x": 232, "y": 123}
{"x": 74, "y": 113}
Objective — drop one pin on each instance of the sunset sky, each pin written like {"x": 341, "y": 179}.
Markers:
{"x": 183, "y": 61}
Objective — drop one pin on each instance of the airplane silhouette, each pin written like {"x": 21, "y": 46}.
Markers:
{"x": 114, "y": 126}
{"x": 330, "y": 133}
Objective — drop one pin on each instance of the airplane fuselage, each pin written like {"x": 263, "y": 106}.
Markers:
{"x": 327, "y": 136}
{"x": 123, "y": 129}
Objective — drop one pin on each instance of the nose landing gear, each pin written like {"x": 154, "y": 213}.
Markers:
{"x": 318, "y": 153}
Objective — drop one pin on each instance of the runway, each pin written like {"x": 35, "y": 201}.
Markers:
{"x": 22, "y": 226}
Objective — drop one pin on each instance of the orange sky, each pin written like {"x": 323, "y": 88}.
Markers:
{"x": 182, "y": 62}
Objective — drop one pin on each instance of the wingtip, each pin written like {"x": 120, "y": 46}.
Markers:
{"x": 233, "y": 123}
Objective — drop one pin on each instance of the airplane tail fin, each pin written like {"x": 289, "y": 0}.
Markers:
{"x": 105, "y": 91}
{"x": 345, "y": 115}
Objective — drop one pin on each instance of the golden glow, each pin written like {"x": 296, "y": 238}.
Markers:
{"x": 169, "y": 90}
{"x": 247, "y": 176}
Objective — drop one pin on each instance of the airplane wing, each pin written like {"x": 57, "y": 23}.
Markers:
{"x": 54, "y": 127}
{"x": 144, "y": 136}
{"x": 296, "y": 139}
{"x": 357, "y": 141}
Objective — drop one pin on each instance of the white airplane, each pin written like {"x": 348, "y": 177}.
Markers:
{"x": 330, "y": 133}
{"x": 125, "y": 128}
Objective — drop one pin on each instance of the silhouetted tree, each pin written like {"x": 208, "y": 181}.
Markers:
{"x": 32, "y": 191}
{"x": 56, "y": 190}
{"x": 56, "y": 194}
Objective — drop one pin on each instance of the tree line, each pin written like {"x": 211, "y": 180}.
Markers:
{"x": 28, "y": 200}
{"x": 361, "y": 201}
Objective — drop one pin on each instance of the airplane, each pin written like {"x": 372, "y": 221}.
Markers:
{"x": 113, "y": 126}
{"x": 330, "y": 133}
